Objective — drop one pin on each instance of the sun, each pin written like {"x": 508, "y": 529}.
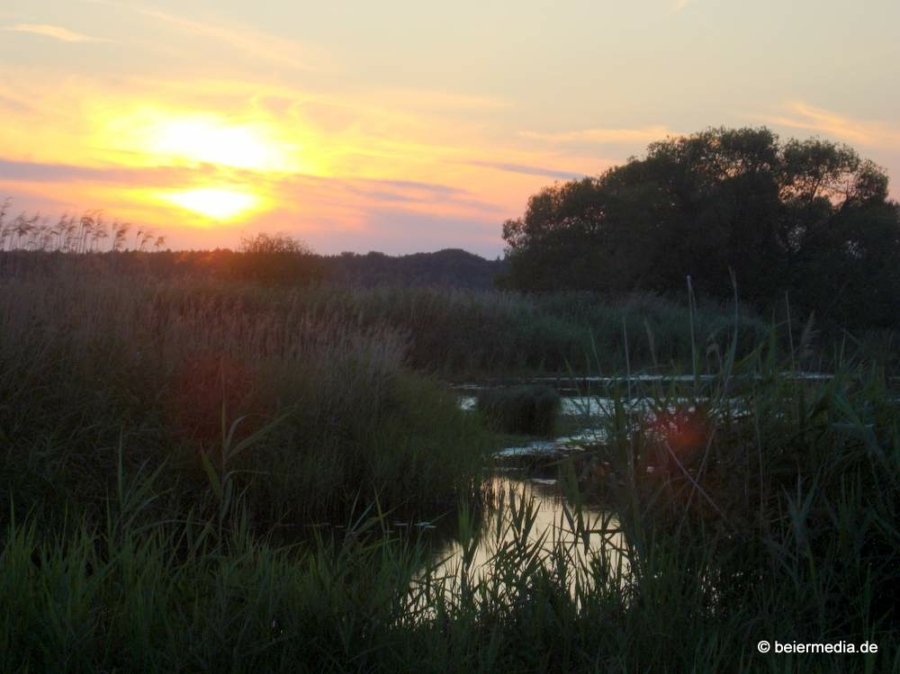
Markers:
{"x": 216, "y": 203}
{"x": 155, "y": 136}
{"x": 205, "y": 139}
{"x": 206, "y": 163}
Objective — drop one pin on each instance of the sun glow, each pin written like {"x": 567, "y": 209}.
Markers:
{"x": 156, "y": 136}
{"x": 221, "y": 204}
{"x": 207, "y": 140}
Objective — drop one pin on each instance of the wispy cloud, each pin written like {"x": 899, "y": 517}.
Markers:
{"x": 527, "y": 170}
{"x": 646, "y": 134}
{"x": 54, "y": 32}
{"x": 252, "y": 43}
{"x": 14, "y": 105}
{"x": 346, "y": 189}
{"x": 155, "y": 176}
{"x": 870, "y": 133}
{"x": 367, "y": 192}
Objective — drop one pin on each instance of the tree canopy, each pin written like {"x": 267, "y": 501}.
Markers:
{"x": 810, "y": 217}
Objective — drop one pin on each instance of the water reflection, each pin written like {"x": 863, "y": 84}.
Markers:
{"x": 530, "y": 521}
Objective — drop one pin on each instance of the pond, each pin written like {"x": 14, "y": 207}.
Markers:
{"x": 529, "y": 517}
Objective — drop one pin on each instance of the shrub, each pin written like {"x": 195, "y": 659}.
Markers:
{"x": 521, "y": 409}
{"x": 275, "y": 260}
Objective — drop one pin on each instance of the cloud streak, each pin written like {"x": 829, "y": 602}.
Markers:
{"x": 870, "y": 133}
{"x": 645, "y": 135}
{"x": 54, "y": 32}
{"x": 252, "y": 43}
{"x": 351, "y": 191}
{"x": 162, "y": 176}
{"x": 527, "y": 170}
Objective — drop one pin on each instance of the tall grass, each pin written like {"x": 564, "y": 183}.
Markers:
{"x": 453, "y": 333}
{"x": 469, "y": 333}
{"x": 326, "y": 409}
{"x": 168, "y": 448}
{"x": 777, "y": 523}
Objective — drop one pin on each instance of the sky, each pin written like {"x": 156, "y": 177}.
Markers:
{"x": 404, "y": 126}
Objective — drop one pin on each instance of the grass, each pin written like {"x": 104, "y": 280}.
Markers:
{"x": 307, "y": 413}
{"x": 455, "y": 334}
{"x": 781, "y": 527}
{"x": 170, "y": 448}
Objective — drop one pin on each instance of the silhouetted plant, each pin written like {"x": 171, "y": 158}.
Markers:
{"x": 520, "y": 409}
{"x": 809, "y": 217}
{"x": 275, "y": 260}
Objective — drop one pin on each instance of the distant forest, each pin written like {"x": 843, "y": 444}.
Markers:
{"x": 451, "y": 268}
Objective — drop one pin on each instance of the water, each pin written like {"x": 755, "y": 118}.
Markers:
{"x": 585, "y": 538}
{"x": 570, "y": 406}
{"x": 591, "y": 537}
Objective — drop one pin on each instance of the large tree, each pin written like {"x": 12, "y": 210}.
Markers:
{"x": 809, "y": 217}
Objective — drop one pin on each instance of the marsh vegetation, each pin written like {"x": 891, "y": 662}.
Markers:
{"x": 210, "y": 475}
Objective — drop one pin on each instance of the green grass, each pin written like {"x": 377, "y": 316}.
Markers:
{"x": 781, "y": 526}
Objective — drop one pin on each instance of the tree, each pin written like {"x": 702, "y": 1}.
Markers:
{"x": 275, "y": 259}
{"x": 810, "y": 217}
{"x": 273, "y": 243}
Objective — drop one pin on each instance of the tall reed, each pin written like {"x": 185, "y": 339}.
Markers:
{"x": 184, "y": 371}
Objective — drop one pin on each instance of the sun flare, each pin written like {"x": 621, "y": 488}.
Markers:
{"x": 220, "y": 204}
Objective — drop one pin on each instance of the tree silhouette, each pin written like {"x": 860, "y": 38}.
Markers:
{"x": 810, "y": 217}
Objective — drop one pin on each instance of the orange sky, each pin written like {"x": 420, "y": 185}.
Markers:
{"x": 407, "y": 129}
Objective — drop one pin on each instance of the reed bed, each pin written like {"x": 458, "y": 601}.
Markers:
{"x": 529, "y": 410}
{"x": 454, "y": 333}
{"x": 171, "y": 448}
{"x": 309, "y": 412}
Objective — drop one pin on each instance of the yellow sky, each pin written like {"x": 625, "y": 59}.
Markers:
{"x": 408, "y": 128}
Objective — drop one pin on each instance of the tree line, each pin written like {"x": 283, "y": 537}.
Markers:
{"x": 809, "y": 218}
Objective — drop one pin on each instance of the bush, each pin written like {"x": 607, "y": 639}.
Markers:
{"x": 521, "y": 409}
{"x": 275, "y": 260}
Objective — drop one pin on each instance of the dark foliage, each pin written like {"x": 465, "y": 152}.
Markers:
{"x": 275, "y": 259}
{"x": 521, "y": 409}
{"x": 447, "y": 268}
{"x": 810, "y": 217}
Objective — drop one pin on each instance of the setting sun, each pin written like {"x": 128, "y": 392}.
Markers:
{"x": 204, "y": 139}
{"x": 222, "y": 204}
{"x": 174, "y": 134}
